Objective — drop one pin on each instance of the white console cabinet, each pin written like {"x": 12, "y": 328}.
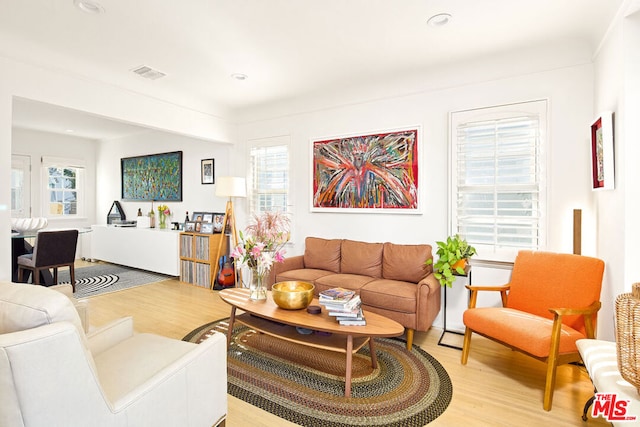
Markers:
{"x": 149, "y": 249}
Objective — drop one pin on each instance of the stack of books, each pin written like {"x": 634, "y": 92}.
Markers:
{"x": 344, "y": 305}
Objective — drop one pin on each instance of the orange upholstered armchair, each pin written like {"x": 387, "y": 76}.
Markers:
{"x": 550, "y": 303}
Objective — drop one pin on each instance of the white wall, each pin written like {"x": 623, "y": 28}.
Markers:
{"x": 569, "y": 92}
{"x": 616, "y": 88}
{"x": 60, "y": 88}
{"x": 36, "y": 144}
{"x": 196, "y": 196}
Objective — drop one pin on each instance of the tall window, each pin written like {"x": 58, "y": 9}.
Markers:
{"x": 63, "y": 194}
{"x": 269, "y": 175}
{"x": 497, "y": 179}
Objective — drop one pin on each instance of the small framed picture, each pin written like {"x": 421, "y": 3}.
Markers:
{"x": 207, "y": 228}
{"x": 218, "y": 222}
{"x": 197, "y": 216}
{"x": 207, "y": 171}
{"x": 207, "y": 217}
{"x": 190, "y": 226}
{"x": 198, "y": 227}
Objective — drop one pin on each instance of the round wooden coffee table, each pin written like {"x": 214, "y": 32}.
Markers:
{"x": 266, "y": 317}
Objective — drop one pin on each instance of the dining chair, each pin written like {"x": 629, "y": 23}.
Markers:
{"x": 550, "y": 303}
{"x": 52, "y": 250}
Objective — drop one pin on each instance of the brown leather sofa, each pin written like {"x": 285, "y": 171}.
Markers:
{"x": 391, "y": 279}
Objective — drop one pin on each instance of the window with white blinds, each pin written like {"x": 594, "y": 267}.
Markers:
{"x": 269, "y": 175}
{"x": 498, "y": 193}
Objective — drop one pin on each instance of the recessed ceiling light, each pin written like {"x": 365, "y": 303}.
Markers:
{"x": 239, "y": 76}
{"x": 89, "y": 6}
{"x": 439, "y": 20}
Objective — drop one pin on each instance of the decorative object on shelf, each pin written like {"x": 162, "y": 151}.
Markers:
{"x": 207, "y": 171}
{"x": 602, "y": 152}
{"x": 163, "y": 213}
{"x": 453, "y": 256}
{"x": 260, "y": 246}
{"x": 152, "y": 177}
{"x": 371, "y": 173}
{"x": 25, "y": 225}
{"x": 116, "y": 213}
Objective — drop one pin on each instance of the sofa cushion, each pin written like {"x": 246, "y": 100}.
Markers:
{"x": 322, "y": 254}
{"x": 521, "y": 330}
{"x": 304, "y": 274}
{"x": 390, "y": 294}
{"x": 348, "y": 281}
{"x": 406, "y": 262}
{"x": 361, "y": 258}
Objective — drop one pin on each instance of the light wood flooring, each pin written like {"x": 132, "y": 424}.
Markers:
{"x": 498, "y": 387}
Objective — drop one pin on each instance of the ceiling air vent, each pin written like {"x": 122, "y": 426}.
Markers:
{"x": 148, "y": 72}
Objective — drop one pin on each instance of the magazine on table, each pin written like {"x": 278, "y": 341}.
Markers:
{"x": 337, "y": 294}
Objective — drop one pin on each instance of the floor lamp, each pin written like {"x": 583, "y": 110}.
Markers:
{"x": 231, "y": 186}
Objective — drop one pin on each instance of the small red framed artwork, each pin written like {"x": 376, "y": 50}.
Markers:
{"x": 602, "y": 172}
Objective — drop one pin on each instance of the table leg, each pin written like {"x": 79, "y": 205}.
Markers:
{"x": 232, "y": 319}
{"x": 347, "y": 377}
{"x": 372, "y": 350}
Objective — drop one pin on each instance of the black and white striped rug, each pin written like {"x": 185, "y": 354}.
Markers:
{"x": 103, "y": 278}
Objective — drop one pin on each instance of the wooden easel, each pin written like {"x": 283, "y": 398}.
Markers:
{"x": 230, "y": 220}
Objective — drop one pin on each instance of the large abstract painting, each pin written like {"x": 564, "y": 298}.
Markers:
{"x": 153, "y": 177}
{"x": 367, "y": 173}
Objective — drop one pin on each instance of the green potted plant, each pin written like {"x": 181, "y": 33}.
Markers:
{"x": 452, "y": 259}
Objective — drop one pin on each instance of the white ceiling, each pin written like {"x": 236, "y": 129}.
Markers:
{"x": 288, "y": 48}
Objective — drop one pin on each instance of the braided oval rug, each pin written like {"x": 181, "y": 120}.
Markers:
{"x": 306, "y": 385}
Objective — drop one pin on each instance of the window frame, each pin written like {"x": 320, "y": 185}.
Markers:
{"x": 265, "y": 143}
{"x": 493, "y": 252}
{"x": 64, "y": 163}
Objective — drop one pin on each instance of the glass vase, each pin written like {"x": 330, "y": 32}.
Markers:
{"x": 257, "y": 289}
{"x": 162, "y": 218}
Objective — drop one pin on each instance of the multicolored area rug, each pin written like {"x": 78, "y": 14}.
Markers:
{"x": 306, "y": 385}
{"x": 104, "y": 278}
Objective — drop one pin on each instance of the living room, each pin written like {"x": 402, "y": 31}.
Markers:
{"x": 578, "y": 81}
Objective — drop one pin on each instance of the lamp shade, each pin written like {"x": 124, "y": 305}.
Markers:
{"x": 231, "y": 186}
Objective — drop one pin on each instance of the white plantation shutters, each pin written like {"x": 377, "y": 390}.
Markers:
{"x": 269, "y": 176}
{"x": 498, "y": 178}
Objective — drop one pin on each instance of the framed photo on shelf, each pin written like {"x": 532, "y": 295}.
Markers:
{"x": 218, "y": 222}
{"x": 207, "y": 217}
{"x": 198, "y": 217}
{"x": 190, "y": 226}
{"x": 206, "y": 228}
{"x": 207, "y": 171}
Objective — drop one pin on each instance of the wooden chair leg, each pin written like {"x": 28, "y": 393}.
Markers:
{"x": 55, "y": 275}
{"x": 72, "y": 275}
{"x": 409, "y": 338}
{"x": 36, "y": 276}
{"x": 550, "y": 383}
{"x": 466, "y": 344}
{"x": 20, "y": 274}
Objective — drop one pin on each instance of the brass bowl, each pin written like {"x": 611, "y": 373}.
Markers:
{"x": 292, "y": 295}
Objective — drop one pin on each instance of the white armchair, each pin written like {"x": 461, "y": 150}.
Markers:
{"x": 52, "y": 374}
